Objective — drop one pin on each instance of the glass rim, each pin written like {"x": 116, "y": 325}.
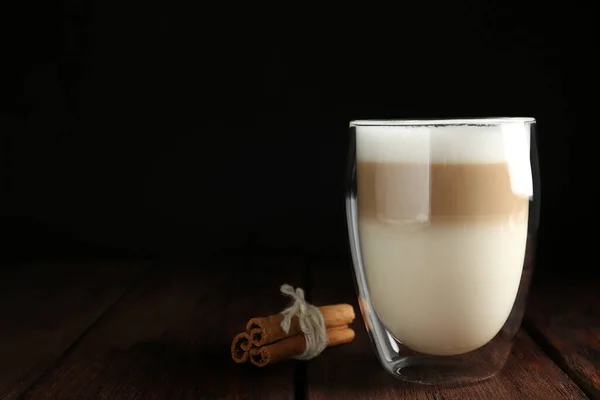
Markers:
{"x": 441, "y": 121}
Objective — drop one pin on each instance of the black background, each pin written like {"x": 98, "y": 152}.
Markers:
{"x": 166, "y": 130}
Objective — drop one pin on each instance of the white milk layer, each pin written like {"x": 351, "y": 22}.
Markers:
{"x": 443, "y": 289}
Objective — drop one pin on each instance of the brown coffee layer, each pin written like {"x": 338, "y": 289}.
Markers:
{"x": 428, "y": 191}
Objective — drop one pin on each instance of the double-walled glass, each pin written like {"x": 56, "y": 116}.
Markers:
{"x": 442, "y": 217}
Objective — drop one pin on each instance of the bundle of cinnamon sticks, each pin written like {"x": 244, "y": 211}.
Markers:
{"x": 265, "y": 342}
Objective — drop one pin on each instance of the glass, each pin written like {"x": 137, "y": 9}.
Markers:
{"x": 442, "y": 217}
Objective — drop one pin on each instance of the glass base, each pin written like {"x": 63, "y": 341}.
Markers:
{"x": 468, "y": 368}
{"x": 427, "y": 373}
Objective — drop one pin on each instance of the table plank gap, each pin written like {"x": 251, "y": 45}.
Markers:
{"x": 564, "y": 318}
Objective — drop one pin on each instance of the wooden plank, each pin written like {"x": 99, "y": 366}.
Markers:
{"x": 45, "y": 308}
{"x": 353, "y": 372}
{"x": 170, "y": 338}
{"x": 564, "y": 317}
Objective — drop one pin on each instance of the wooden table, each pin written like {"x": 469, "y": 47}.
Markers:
{"x": 135, "y": 331}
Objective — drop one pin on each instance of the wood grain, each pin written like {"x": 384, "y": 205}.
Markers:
{"x": 170, "y": 338}
{"x": 352, "y": 371}
{"x": 45, "y": 308}
{"x": 565, "y": 318}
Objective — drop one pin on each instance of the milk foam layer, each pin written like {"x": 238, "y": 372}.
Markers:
{"x": 506, "y": 143}
{"x": 448, "y": 288}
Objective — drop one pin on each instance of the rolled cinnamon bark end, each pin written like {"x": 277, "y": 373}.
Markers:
{"x": 259, "y": 356}
{"x": 267, "y": 330}
{"x": 257, "y": 337}
{"x": 240, "y": 346}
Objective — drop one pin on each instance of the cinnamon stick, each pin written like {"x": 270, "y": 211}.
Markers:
{"x": 267, "y": 330}
{"x": 295, "y": 345}
{"x": 240, "y": 346}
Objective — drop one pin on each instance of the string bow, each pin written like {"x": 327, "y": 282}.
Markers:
{"x": 310, "y": 318}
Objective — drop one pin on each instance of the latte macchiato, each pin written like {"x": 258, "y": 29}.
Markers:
{"x": 442, "y": 219}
